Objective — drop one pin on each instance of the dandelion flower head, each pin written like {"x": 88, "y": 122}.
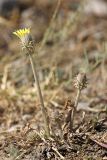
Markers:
{"x": 26, "y": 39}
{"x": 22, "y": 32}
{"x": 24, "y": 35}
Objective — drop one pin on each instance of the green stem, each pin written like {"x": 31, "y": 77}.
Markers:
{"x": 47, "y": 130}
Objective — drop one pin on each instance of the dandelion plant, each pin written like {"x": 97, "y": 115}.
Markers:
{"x": 28, "y": 46}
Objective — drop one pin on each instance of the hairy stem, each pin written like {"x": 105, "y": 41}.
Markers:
{"x": 75, "y": 108}
{"x": 45, "y": 117}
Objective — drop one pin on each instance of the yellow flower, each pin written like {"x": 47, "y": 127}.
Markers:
{"x": 24, "y": 35}
{"x": 22, "y": 32}
{"x": 26, "y": 39}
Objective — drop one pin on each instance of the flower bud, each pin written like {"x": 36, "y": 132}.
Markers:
{"x": 80, "y": 81}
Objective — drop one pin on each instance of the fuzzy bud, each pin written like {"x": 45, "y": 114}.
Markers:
{"x": 80, "y": 81}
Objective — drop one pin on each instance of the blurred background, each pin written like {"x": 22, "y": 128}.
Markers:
{"x": 69, "y": 35}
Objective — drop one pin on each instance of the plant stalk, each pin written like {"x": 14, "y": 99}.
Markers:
{"x": 77, "y": 98}
{"x": 75, "y": 108}
{"x": 45, "y": 117}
